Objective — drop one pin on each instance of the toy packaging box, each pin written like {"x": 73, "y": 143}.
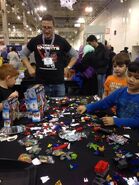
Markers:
{"x": 10, "y": 111}
{"x": 35, "y": 101}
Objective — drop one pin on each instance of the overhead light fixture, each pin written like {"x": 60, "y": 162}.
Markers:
{"x": 124, "y": 19}
{"x": 39, "y": 31}
{"x": 122, "y": 1}
{"x": 77, "y": 25}
{"x": 81, "y": 20}
{"x": 130, "y": 10}
{"x": 18, "y": 17}
{"x": 127, "y": 19}
{"x": 88, "y": 9}
{"x": 40, "y": 18}
{"x": 41, "y": 9}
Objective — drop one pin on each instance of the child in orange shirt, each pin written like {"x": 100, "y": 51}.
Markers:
{"x": 118, "y": 79}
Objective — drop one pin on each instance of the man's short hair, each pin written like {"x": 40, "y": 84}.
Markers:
{"x": 48, "y": 17}
{"x": 121, "y": 58}
{"x": 91, "y": 38}
{"x": 133, "y": 67}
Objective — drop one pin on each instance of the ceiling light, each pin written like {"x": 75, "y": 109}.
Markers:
{"x": 130, "y": 10}
{"x": 81, "y": 20}
{"x": 39, "y": 31}
{"x": 127, "y": 19}
{"x": 42, "y": 8}
{"x": 18, "y": 17}
{"x": 40, "y": 18}
{"x": 122, "y": 1}
{"x": 77, "y": 25}
{"x": 88, "y": 9}
{"x": 124, "y": 19}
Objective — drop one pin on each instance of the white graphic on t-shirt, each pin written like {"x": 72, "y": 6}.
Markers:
{"x": 48, "y": 55}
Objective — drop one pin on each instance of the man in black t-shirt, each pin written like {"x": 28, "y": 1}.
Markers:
{"x": 50, "y": 52}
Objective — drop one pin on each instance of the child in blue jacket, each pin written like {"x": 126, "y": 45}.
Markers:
{"x": 125, "y": 99}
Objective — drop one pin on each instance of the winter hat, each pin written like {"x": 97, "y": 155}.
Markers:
{"x": 88, "y": 48}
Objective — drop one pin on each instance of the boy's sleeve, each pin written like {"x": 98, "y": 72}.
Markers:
{"x": 106, "y": 103}
{"x": 128, "y": 122}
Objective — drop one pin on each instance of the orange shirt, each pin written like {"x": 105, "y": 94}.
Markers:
{"x": 113, "y": 82}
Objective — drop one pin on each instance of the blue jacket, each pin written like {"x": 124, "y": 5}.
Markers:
{"x": 127, "y": 107}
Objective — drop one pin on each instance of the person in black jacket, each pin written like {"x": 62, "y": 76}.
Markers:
{"x": 100, "y": 60}
{"x": 111, "y": 55}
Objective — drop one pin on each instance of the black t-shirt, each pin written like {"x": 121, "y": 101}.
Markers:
{"x": 53, "y": 72}
{"x": 4, "y": 94}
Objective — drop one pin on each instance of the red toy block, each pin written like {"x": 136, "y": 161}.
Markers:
{"x": 101, "y": 166}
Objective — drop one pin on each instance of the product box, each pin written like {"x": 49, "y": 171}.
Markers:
{"x": 35, "y": 101}
{"x": 10, "y": 111}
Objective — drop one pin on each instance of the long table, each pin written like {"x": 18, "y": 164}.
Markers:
{"x": 86, "y": 160}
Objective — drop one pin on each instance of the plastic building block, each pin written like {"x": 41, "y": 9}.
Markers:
{"x": 102, "y": 168}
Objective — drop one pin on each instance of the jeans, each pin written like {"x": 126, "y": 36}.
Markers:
{"x": 101, "y": 80}
{"x": 55, "y": 90}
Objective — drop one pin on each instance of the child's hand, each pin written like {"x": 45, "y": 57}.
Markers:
{"x": 81, "y": 109}
{"x": 108, "y": 121}
{"x": 14, "y": 94}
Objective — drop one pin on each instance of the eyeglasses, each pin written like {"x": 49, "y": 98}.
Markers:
{"x": 47, "y": 27}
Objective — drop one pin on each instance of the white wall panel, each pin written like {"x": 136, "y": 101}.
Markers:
{"x": 117, "y": 17}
